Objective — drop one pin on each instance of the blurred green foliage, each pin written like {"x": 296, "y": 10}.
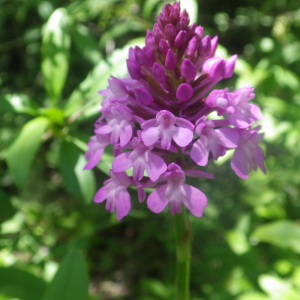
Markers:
{"x": 54, "y": 57}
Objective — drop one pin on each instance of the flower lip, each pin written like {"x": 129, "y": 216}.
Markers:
{"x": 165, "y": 118}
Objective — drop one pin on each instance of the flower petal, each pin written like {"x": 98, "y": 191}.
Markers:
{"x": 100, "y": 195}
{"x": 123, "y": 204}
{"x": 157, "y": 201}
{"x": 195, "y": 200}
{"x": 122, "y": 162}
{"x": 182, "y": 136}
{"x": 155, "y": 167}
{"x": 150, "y": 136}
{"x": 239, "y": 163}
{"x": 199, "y": 152}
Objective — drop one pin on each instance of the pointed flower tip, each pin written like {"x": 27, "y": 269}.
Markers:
{"x": 184, "y": 92}
{"x": 158, "y": 73}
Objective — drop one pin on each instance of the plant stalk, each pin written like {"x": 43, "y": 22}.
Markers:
{"x": 183, "y": 255}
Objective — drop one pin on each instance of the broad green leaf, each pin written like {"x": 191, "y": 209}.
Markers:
{"x": 148, "y": 8}
{"x": 87, "y": 92}
{"x": 85, "y": 101}
{"x": 88, "y": 9}
{"x": 21, "y": 153}
{"x": 6, "y": 208}
{"x": 237, "y": 241}
{"x": 120, "y": 29}
{"x": 71, "y": 280}
{"x": 253, "y": 296}
{"x": 283, "y": 233}
{"x": 85, "y": 43}
{"x": 78, "y": 182}
{"x": 285, "y": 77}
{"x": 22, "y": 285}
{"x": 277, "y": 288}
{"x": 55, "y": 53}
{"x": 20, "y": 103}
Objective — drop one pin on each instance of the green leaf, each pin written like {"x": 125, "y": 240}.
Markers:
{"x": 85, "y": 43}
{"x": 6, "y": 208}
{"x": 20, "y": 103}
{"x": 277, "y": 288}
{"x": 22, "y": 285}
{"x": 78, "y": 182}
{"x": 71, "y": 280}
{"x": 85, "y": 100}
{"x": 148, "y": 8}
{"x": 55, "y": 53}
{"x": 21, "y": 153}
{"x": 237, "y": 241}
{"x": 283, "y": 233}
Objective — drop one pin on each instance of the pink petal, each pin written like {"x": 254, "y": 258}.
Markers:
{"x": 103, "y": 129}
{"x": 123, "y": 204}
{"x": 150, "y": 136}
{"x": 138, "y": 169}
{"x": 100, "y": 195}
{"x": 195, "y": 200}
{"x": 182, "y": 136}
{"x": 149, "y": 123}
{"x": 199, "y": 153}
{"x": 122, "y": 162}
{"x": 157, "y": 201}
{"x": 166, "y": 140}
{"x": 255, "y": 112}
{"x": 239, "y": 119}
{"x": 94, "y": 159}
{"x": 198, "y": 173}
{"x": 175, "y": 207}
{"x": 125, "y": 135}
{"x": 155, "y": 167}
{"x": 229, "y": 137}
{"x": 180, "y": 122}
{"x": 239, "y": 163}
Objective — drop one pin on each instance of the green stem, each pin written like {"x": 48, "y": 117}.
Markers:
{"x": 183, "y": 253}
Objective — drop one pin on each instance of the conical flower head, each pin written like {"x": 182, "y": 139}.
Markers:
{"x": 158, "y": 119}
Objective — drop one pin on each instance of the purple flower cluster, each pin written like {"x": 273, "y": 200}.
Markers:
{"x": 157, "y": 119}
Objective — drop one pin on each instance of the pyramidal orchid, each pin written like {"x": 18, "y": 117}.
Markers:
{"x": 158, "y": 121}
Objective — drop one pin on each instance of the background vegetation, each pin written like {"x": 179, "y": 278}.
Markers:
{"x": 54, "y": 57}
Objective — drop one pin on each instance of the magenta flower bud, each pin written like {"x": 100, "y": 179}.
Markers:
{"x": 184, "y": 14}
{"x": 163, "y": 46}
{"x": 174, "y": 15}
{"x": 190, "y": 31}
{"x": 199, "y": 33}
{"x": 166, "y": 10}
{"x": 187, "y": 69}
{"x": 158, "y": 73}
{"x": 205, "y": 46}
{"x": 134, "y": 69}
{"x": 150, "y": 40}
{"x": 214, "y": 45}
{"x": 229, "y": 66}
{"x": 149, "y": 57}
{"x": 131, "y": 55}
{"x": 182, "y": 24}
{"x": 170, "y": 32}
{"x": 191, "y": 48}
{"x": 139, "y": 55}
{"x": 158, "y": 34}
{"x": 171, "y": 60}
{"x": 180, "y": 39}
{"x": 143, "y": 97}
{"x": 184, "y": 92}
{"x": 216, "y": 70}
{"x": 117, "y": 87}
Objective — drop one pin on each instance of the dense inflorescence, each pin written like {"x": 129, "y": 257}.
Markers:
{"x": 157, "y": 119}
